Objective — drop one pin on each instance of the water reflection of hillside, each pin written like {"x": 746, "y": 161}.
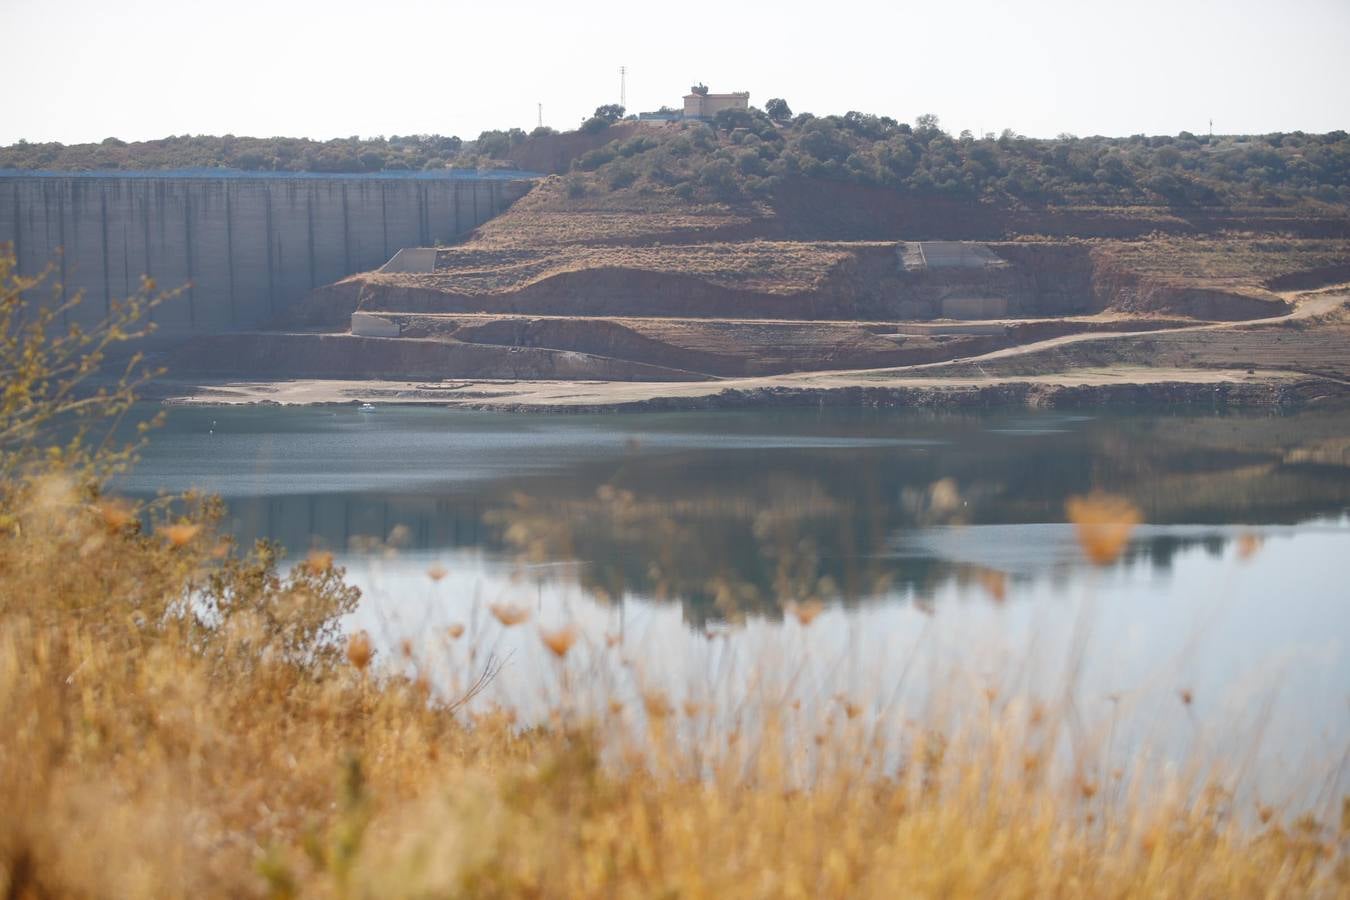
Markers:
{"x": 732, "y": 532}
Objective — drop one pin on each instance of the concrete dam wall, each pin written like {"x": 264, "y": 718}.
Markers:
{"x": 249, "y": 245}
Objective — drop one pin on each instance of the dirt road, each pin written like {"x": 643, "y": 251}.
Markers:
{"x": 1134, "y": 371}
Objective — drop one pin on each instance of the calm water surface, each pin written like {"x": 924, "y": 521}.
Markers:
{"x": 937, "y": 542}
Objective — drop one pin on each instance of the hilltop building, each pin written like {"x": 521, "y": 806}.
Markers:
{"x": 664, "y": 114}
{"x": 699, "y": 106}
{"x": 706, "y": 106}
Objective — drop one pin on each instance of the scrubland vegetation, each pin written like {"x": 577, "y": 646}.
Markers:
{"x": 279, "y": 154}
{"x": 183, "y": 718}
{"x": 747, "y": 153}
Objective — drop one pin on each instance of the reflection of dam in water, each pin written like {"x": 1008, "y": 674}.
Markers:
{"x": 250, "y": 244}
{"x": 709, "y": 542}
{"x": 727, "y": 514}
{"x": 343, "y": 521}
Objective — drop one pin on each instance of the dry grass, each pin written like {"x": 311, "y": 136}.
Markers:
{"x": 765, "y": 266}
{"x": 243, "y": 746}
{"x": 1231, "y": 261}
{"x": 181, "y": 719}
{"x": 547, "y": 216}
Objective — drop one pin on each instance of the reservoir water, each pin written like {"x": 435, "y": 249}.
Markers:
{"x": 936, "y": 546}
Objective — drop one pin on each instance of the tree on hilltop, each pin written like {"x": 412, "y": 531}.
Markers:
{"x": 928, "y": 123}
{"x": 778, "y": 109}
{"x": 730, "y": 119}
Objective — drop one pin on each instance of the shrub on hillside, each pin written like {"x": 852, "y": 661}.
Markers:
{"x": 594, "y": 125}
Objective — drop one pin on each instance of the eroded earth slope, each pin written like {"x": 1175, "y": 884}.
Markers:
{"x": 819, "y": 285}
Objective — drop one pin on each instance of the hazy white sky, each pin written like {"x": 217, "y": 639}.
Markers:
{"x": 81, "y": 70}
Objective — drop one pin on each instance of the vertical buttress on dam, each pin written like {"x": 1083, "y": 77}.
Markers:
{"x": 246, "y": 246}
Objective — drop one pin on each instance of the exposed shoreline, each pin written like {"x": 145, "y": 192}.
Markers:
{"x": 1231, "y": 364}
{"x": 1105, "y": 387}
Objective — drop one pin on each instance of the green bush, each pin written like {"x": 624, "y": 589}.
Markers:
{"x": 594, "y": 125}
{"x": 1185, "y": 170}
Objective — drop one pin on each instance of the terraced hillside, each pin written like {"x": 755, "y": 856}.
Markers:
{"x": 598, "y": 276}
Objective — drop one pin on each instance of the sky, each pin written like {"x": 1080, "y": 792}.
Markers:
{"x": 83, "y": 70}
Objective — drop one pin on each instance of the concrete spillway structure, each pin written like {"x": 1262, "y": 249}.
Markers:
{"x": 249, "y": 245}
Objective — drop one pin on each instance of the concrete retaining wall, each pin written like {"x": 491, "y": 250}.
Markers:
{"x": 366, "y": 325}
{"x": 974, "y": 307}
{"x": 249, "y": 245}
{"x": 412, "y": 259}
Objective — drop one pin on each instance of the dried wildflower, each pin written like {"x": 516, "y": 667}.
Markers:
{"x": 1104, "y": 523}
{"x": 613, "y": 640}
{"x": 1187, "y": 697}
{"x": 656, "y": 704}
{"x": 995, "y": 584}
{"x": 455, "y": 631}
{"x": 691, "y": 708}
{"x": 1265, "y": 813}
{"x": 559, "y": 640}
{"x": 1248, "y": 545}
{"x": 944, "y": 496}
{"x": 116, "y": 514}
{"x": 436, "y": 572}
{"x": 1087, "y": 788}
{"x": 1149, "y": 842}
{"x": 806, "y": 613}
{"x": 405, "y": 648}
{"x": 1036, "y": 717}
{"x": 318, "y": 562}
{"x": 509, "y": 614}
{"x": 615, "y": 707}
{"x": 360, "y": 650}
{"x": 180, "y": 535}
{"x": 851, "y": 709}
{"x": 399, "y": 536}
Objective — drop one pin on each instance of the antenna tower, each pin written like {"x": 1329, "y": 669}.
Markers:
{"x": 623, "y": 86}
{"x": 541, "y": 115}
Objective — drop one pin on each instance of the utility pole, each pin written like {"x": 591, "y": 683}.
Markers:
{"x": 623, "y": 86}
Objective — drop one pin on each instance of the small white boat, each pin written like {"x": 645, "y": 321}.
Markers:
{"x": 367, "y": 407}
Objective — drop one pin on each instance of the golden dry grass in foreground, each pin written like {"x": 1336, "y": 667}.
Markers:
{"x": 242, "y": 746}
{"x": 180, "y": 719}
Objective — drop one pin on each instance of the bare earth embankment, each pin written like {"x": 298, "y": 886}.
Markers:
{"x": 1300, "y": 357}
{"x": 625, "y": 298}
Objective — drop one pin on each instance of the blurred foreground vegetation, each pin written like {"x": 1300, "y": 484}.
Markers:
{"x": 182, "y": 718}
